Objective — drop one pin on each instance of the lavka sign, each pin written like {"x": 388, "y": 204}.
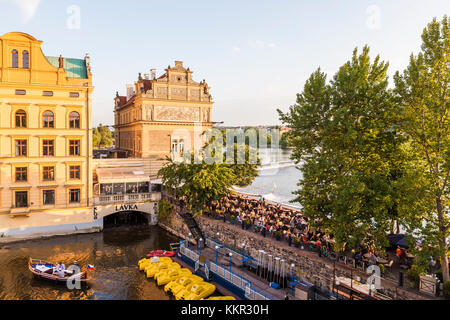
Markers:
{"x": 127, "y": 207}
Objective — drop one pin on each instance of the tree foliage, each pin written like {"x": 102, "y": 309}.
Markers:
{"x": 423, "y": 92}
{"x": 102, "y": 137}
{"x": 343, "y": 133}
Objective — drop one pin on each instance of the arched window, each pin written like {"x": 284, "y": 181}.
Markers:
{"x": 21, "y": 119}
{"x": 25, "y": 59}
{"x": 49, "y": 119}
{"x": 74, "y": 120}
{"x": 15, "y": 59}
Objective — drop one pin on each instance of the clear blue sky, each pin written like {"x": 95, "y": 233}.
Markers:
{"x": 255, "y": 54}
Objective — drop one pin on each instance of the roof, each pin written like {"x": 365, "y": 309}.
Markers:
{"x": 75, "y": 68}
{"x": 121, "y": 174}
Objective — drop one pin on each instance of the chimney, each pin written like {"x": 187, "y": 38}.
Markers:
{"x": 130, "y": 91}
{"x": 153, "y": 74}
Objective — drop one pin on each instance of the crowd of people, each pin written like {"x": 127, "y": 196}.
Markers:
{"x": 271, "y": 220}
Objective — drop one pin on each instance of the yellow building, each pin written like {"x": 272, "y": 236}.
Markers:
{"x": 45, "y": 140}
{"x": 163, "y": 116}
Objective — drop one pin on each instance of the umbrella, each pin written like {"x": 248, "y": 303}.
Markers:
{"x": 398, "y": 240}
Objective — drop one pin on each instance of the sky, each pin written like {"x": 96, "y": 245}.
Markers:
{"x": 254, "y": 54}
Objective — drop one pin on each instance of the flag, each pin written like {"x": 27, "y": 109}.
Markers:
{"x": 90, "y": 267}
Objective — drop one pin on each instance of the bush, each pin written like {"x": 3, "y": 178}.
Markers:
{"x": 439, "y": 275}
{"x": 413, "y": 275}
{"x": 165, "y": 210}
{"x": 446, "y": 289}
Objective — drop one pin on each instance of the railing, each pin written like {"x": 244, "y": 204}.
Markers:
{"x": 225, "y": 250}
{"x": 234, "y": 278}
{"x": 253, "y": 294}
{"x": 124, "y": 198}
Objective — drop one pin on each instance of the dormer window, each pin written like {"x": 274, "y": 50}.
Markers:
{"x": 15, "y": 59}
{"x": 25, "y": 60}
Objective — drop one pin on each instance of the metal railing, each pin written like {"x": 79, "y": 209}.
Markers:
{"x": 124, "y": 198}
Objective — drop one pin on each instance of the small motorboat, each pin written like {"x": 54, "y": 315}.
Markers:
{"x": 46, "y": 270}
{"x": 160, "y": 253}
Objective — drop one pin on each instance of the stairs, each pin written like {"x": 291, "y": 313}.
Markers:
{"x": 193, "y": 226}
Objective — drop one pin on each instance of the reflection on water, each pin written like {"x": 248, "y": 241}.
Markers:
{"x": 114, "y": 253}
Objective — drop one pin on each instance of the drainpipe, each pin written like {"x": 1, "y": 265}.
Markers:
{"x": 87, "y": 145}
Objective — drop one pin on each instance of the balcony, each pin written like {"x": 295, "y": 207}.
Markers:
{"x": 127, "y": 198}
{"x": 19, "y": 212}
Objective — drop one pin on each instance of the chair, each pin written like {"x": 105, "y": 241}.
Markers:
{"x": 388, "y": 266}
{"x": 351, "y": 262}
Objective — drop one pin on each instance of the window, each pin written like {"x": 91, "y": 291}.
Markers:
{"x": 181, "y": 146}
{"x": 21, "y": 174}
{"x": 143, "y": 187}
{"x": 21, "y": 148}
{"x": 21, "y": 198}
{"x": 74, "y": 95}
{"x": 106, "y": 189}
{"x": 119, "y": 188}
{"x": 48, "y": 147}
{"x": 25, "y": 60}
{"x": 74, "y": 120}
{"x": 175, "y": 146}
{"x": 74, "y": 147}
{"x": 48, "y": 197}
{"x": 15, "y": 59}
{"x": 132, "y": 187}
{"x": 21, "y": 119}
{"x": 75, "y": 172}
{"x": 48, "y": 173}
{"x": 20, "y": 92}
{"x": 47, "y": 93}
{"x": 48, "y": 119}
{"x": 74, "y": 196}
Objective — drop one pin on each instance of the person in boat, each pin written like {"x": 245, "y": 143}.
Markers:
{"x": 61, "y": 270}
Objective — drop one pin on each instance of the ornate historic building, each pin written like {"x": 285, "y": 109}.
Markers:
{"x": 163, "y": 116}
{"x": 45, "y": 138}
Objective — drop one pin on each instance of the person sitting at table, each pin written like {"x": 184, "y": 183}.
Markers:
{"x": 372, "y": 259}
{"x": 359, "y": 256}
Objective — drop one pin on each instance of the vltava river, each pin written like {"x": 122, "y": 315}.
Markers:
{"x": 114, "y": 253}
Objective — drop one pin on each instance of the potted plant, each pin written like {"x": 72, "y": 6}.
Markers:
{"x": 297, "y": 242}
{"x": 232, "y": 219}
{"x": 278, "y": 235}
{"x": 446, "y": 290}
{"x": 413, "y": 276}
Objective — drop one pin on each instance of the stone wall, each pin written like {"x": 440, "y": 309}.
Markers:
{"x": 308, "y": 265}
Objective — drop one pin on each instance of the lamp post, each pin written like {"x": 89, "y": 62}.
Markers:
{"x": 200, "y": 243}
{"x": 217, "y": 253}
{"x": 218, "y": 234}
{"x": 189, "y": 243}
{"x": 230, "y": 261}
{"x": 243, "y": 248}
{"x": 293, "y": 279}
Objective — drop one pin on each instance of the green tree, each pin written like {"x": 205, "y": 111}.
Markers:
{"x": 102, "y": 137}
{"x": 351, "y": 158}
{"x": 198, "y": 183}
{"x": 424, "y": 92}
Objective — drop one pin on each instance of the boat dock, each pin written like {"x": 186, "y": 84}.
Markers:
{"x": 233, "y": 273}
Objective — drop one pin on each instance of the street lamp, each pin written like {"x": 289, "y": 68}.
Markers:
{"x": 230, "y": 262}
{"x": 200, "y": 243}
{"x": 189, "y": 243}
{"x": 218, "y": 234}
{"x": 243, "y": 248}
{"x": 293, "y": 280}
{"x": 217, "y": 253}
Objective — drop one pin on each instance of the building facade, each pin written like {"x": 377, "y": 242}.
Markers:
{"x": 163, "y": 116}
{"x": 45, "y": 139}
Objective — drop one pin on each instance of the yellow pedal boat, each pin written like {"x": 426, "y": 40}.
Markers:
{"x": 172, "y": 274}
{"x": 170, "y": 267}
{"x": 150, "y": 271}
{"x": 144, "y": 263}
{"x": 175, "y": 286}
{"x": 197, "y": 291}
{"x": 221, "y": 298}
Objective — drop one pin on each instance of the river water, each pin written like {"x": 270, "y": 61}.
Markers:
{"x": 277, "y": 178}
{"x": 114, "y": 253}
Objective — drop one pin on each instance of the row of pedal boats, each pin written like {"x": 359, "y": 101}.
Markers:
{"x": 178, "y": 281}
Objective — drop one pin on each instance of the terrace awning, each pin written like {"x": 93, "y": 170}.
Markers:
{"x": 121, "y": 174}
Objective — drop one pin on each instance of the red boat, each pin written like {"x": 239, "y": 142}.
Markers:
{"x": 161, "y": 253}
